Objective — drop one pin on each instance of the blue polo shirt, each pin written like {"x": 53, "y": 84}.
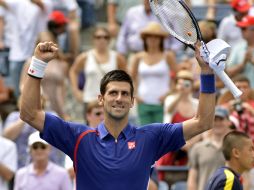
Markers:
{"x": 105, "y": 163}
{"x": 225, "y": 179}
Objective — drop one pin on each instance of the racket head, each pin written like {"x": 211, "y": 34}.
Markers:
{"x": 178, "y": 20}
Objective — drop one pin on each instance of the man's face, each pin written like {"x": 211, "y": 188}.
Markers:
{"x": 246, "y": 155}
{"x": 39, "y": 151}
{"x": 95, "y": 116}
{"x": 245, "y": 88}
{"x": 221, "y": 126}
{"x": 117, "y": 100}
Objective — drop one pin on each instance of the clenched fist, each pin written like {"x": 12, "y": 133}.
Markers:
{"x": 46, "y": 51}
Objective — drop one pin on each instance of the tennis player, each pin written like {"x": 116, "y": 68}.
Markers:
{"x": 115, "y": 155}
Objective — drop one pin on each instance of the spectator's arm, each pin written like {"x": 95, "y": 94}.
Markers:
{"x": 171, "y": 60}
{"x": 14, "y": 129}
{"x": 76, "y": 68}
{"x": 3, "y": 4}
{"x": 121, "y": 62}
{"x": 5, "y": 172}
{"x": 121, "y": 43}
{"x": 211, "y": 10}
{"x": 4, "y": 91}
{"x": 192, "y": 179}
{"x": 134, "y": 72}
{"x": 1, "y": 32}
{"x": 112, "y": 23}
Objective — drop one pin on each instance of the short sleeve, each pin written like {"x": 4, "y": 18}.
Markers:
{"x": 61, "y": 134}
{"x": 165, "y": 138}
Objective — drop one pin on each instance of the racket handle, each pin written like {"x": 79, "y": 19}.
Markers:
{"x": 229, "y": 83}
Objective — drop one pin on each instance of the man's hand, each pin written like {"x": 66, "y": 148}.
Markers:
{"x": 202, "y": 57}
{"x": 46, "y": 51}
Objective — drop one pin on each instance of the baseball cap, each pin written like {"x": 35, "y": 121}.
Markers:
{"x": 221, "y": 112}
{"x": 58, "y": 17}
{"x": 34, "y": 138}
{"x": 246, "y": 21}
{"x": 240, "y": 5}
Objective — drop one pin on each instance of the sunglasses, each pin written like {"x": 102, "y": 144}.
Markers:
{"x": 35, "y": 146}
{"x": 98, "y": 37}
{"x": 98, "y": 113}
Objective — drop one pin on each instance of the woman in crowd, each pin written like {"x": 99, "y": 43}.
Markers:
{"x": 151, "y": 70}
{"x": 94, "y": 63}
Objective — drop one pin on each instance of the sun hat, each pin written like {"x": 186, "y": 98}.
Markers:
{"x": 58, "y": 17}
{"x": 153, "y": 28}
{"x": 246, "y": 21}
{"x": 34, "y": 138}
{"x": 240, "y": 5}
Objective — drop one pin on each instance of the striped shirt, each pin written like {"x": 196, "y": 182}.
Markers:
{"x": 224, "y": 179}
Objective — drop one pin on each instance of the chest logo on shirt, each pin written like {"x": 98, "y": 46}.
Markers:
{"x": 131, "y": 145}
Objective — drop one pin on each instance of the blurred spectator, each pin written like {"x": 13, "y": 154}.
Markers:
{"x": 206, "y": 156}
{"x": 88, "y": 16}
{"x": 210, "y": 4}
{"x": 138, "y": 17}
{"x": 150, "y": 68}
{"x": 238, "y": 150}
{"x": 71, "y": 42}
{"x": 116, "y": 11}
{"x": 95, "y": 63}
{"x": 8, "y": 162}
{"x": 243, "y": 108}
{"x": 41, "y": 174}
{"x": 53, "y": 84}
{"x": 228, "y": 30}
{"x": 7, "y": 100}
{"x": 18, "y": 131}
{"x": 29, "y": 18}
{"x": 179, "y": 107}
{"x": 241, "y": 60}
{"x": 94, "y": 114}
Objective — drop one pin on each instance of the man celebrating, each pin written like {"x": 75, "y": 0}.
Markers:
{"x": 115, "y": 155}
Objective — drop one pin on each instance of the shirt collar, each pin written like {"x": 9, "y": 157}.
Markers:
{"x": 32, "y": 171}
{"x": 103, "y": 132}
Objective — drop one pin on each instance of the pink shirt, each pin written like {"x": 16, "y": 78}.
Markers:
{"x": 54, "y": 178}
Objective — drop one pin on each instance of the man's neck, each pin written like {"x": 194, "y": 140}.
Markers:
{"x": 233, "y": 165}
{"x": 217, "y": 140}
{"x": 115, "y": 127}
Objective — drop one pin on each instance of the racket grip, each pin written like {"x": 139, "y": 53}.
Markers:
{"x": 229, "y": 83}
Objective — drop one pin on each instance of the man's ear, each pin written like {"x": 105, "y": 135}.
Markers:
{"x": 132, "y": 102}
{"x": 236, "y": 153}
{"x": 100, "y": 99}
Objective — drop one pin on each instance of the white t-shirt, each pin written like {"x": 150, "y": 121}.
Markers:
{"x": 68, "y": 5}
{"x": 27, "y": 26}
{"x": 8, "y": 157}
{"x": 7, "y": 26}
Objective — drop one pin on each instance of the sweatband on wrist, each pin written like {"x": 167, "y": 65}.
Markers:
{"x": 207, "y": 83}
{"x": 37, "y": 68}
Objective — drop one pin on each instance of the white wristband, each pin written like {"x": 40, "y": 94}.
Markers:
{"x": 37, "y": 68}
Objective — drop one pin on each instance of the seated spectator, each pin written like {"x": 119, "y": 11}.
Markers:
{"x": 242, "y": 110}
{"x": 8, "y": 162}
{"x": 94, "y": 114}
{"x": 241, "y": 59}
{"x": 41, "y": 174}
{"x": 150, "y": 68}
{"x": 18, "y": 131}
{"x": 206, "y": 156}
{"x": 129, "y": 39}
{"x": 228, "y": 30}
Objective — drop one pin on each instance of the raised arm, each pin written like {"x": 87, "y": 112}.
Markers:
{"x": 204, "y": 117}
{"x": 31, "y": 111}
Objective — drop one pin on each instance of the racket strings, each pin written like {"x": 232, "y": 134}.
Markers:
{"x": 175, "y": 19}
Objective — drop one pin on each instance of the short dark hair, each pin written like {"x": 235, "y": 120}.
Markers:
{"x": 232, "y": 140}
{"x": 116, "y": 75}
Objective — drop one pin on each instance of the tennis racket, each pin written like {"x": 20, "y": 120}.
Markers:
{"x": 179, "y": 21}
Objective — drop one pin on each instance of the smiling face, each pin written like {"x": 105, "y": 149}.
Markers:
{"x": 117, "y": 100}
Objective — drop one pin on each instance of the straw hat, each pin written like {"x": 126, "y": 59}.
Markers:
{"x": 153, "y": 28}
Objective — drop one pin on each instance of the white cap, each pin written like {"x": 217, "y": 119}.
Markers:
{"x": 34, "y": 138}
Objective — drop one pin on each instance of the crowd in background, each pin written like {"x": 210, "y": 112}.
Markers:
{"x": 130, "y": 38}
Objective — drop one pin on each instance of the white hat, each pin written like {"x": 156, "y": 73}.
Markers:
{"x": 34, "y": 138}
